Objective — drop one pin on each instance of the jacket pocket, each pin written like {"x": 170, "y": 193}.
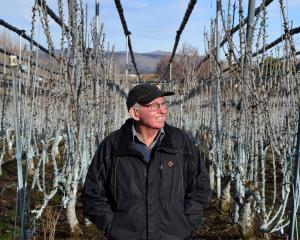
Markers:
{"x": 174, "y": 222}
{"x": 128, "y": 220}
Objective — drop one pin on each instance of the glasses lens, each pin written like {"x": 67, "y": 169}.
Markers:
{"x": 156, "y": 106}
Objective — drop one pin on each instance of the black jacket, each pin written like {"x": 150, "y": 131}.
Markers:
{"x": 131, "y": 199}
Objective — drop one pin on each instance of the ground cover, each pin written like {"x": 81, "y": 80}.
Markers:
{"x": 216, "y": 225}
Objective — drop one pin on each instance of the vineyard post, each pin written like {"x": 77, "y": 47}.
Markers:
{"x": 171, "y": 64}
{"x": 97, "y": 16}
{"x": 217, "y": 97}
{"x": 126, "y": 70}
{"x": 14, "y": 66}
{"x": 295, "y": 190}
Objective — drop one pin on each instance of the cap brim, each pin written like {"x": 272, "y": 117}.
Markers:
{"x": 153, "y": 96}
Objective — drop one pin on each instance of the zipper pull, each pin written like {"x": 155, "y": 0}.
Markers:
{"x": 161, "y": 169}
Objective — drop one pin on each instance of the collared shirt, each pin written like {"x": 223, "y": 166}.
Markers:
{"x": 142, "y": 147}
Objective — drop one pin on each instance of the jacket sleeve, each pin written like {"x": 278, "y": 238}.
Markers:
{"x": 197, "y": 190}
{"x": 97, "y": 200}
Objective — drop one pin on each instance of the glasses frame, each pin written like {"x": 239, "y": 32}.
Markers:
{"x": 154, "y": 107}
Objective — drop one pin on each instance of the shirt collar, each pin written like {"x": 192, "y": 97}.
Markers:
{"x": 158, "y": 138}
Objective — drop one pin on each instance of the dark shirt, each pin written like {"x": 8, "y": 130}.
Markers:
{"x": 142, "y": 147}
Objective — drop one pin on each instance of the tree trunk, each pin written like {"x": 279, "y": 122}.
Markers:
{"x": 246, "y": 222}
{"x": 225, "y": 200}
{"x": 71, "y": 212}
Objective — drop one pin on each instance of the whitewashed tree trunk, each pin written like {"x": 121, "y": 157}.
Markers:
{"x": 225, "y": 200}
{"x": 71, "y": 210}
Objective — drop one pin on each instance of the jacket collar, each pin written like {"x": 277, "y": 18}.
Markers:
{"x": 125, "y": 145}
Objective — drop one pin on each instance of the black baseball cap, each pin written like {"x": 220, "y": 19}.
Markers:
{"x": 144, "y": 93}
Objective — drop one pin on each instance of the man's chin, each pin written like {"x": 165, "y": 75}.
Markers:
{"x": 160, "y": 125}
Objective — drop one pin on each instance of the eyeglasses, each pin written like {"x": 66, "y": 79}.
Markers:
{"x": 155, "y": 106}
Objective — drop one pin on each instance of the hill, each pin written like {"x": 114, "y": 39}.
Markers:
{"x": 146, "y": 62}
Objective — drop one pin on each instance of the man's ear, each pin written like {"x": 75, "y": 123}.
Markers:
{"x": 134, "y": 113}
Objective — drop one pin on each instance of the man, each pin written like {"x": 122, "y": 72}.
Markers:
{"x": 147, "y": 179}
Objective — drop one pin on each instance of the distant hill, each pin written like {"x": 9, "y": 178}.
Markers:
{"x": 146, "y": 62}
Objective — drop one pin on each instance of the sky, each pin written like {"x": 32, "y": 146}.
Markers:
{"x": 153, "y": 23}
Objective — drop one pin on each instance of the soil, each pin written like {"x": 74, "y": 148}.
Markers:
{"x": 216, "y": 225}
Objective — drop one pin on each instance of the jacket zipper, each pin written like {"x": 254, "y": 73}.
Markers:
{"x": 161, "y": 170}
{"x": 115, "y": 182}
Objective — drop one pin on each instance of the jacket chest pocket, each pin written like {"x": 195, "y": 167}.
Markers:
{"x": 171, "y": 177}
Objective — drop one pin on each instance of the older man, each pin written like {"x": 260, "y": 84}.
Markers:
{"x": 147, "y": 179}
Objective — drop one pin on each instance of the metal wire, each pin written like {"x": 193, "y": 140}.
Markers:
{"x": 25, "y": 36}
{"x": 25, "y": 60}
{"x": 42, "y": 3}
{"x": 127, "y": 34}
{"x": 236, "y": 28}
{"x": 186, "y": 17}
{"x": 274, "y": 43}
{"x": 278, "y": 40}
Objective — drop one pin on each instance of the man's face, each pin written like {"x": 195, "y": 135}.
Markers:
{"x": 153, "y": 114}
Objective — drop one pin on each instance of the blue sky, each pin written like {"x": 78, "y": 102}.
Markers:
{"x": 153, "y": 23}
